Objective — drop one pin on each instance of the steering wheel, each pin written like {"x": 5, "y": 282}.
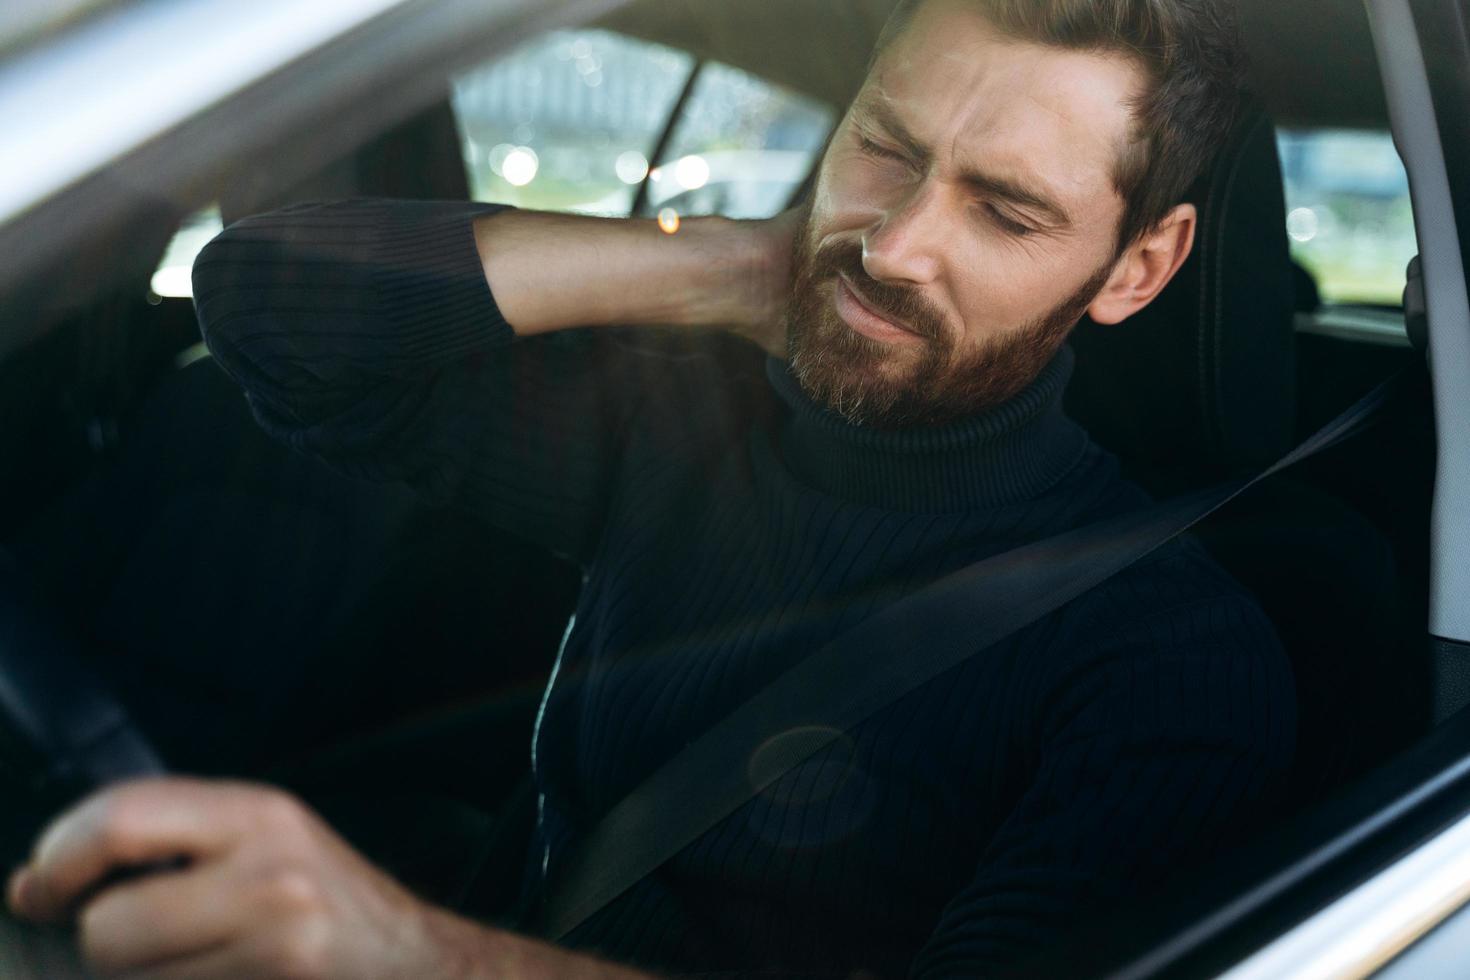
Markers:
{"x": 62, "y": 733}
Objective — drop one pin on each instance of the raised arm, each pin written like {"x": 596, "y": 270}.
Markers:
{"x": 386, "y": 338}
{"x": 553, "y": 271}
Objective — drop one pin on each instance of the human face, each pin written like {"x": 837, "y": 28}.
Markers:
{"x": 964, "y": 217}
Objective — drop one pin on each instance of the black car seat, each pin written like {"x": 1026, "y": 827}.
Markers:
{"x": 1199, "y": 387}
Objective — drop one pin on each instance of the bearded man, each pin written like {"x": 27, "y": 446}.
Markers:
{"x": 1008, "y": 166}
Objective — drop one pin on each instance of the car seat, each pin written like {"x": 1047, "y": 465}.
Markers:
{"x": 1198, "y": 387}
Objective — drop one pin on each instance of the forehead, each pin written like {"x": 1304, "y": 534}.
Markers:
{"x": 975, "y": 96}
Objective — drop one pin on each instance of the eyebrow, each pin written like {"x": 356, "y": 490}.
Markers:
{"x": 995, "y": 185}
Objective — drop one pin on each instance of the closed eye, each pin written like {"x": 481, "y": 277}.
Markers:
{"x": 879, "y": 150}
{"x": 1008, "y": 224}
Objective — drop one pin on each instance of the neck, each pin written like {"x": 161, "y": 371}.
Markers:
{"x": 1006, "y": 454}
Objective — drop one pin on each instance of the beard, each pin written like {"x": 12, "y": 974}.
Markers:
{"x": 871, "y": 383}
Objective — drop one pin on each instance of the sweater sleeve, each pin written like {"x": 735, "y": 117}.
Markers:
{"x": 1155, "y": 748}
{"x": 364, "y": 333}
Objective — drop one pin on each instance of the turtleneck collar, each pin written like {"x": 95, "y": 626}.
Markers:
{"x": 1003, "y": 455}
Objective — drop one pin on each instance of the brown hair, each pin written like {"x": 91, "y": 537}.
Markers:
{"x": 1190, "y": 53}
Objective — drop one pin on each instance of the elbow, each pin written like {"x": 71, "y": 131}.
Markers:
{"x": 212, "y": 287}
{"x": 260, "y": 297}
{"x": 251, "y": 272}
{"x": 245, "y": 273}
{"x": 231, "y": 317}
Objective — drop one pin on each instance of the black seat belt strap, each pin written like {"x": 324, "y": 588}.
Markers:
{"x": 862, "y": 671}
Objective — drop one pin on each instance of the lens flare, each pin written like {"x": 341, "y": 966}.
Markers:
{"x": 1302, "y": 224}
{"x": 632, "y": 167}
{"x": 520, "y": 166}
{"x": 692, "y": 172}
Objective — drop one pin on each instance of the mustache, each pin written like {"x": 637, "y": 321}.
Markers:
{"x": 903, "y": 304}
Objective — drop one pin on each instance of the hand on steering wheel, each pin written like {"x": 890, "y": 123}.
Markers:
{"x": 256, "y": 885}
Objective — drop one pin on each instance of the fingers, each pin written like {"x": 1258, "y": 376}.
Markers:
{"x": 214, "y": 921}
{"x": 131, "y": 825}
{"x": 253, "y": 958}
{"x": 222, "y": 964}
{"x": 160, "y": 918}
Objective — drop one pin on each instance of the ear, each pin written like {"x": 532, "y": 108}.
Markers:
{"x": 1146, "y": 267}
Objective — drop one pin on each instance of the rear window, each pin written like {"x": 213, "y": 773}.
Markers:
{"x": 741, "y": 147}
{"x": 568, "y": 121}
{"x": 599, "y": 123}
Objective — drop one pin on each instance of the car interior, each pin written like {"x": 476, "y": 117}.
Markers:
{"x": 385, "y": 648}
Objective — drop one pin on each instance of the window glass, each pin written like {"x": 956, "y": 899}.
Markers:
{"x": 741, "y": 148}
{"x": 567, "y": 121}
{"x": 175, "y": 272}
{"x": 1348, "y": 214}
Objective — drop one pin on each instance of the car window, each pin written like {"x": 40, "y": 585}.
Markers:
{"x": 1348, "y": 214}
{"x": 596, "y": 122}
{"x": 567, "y": 122}
{"x": 741, "y": 147}
{"x": 173, "y": 278}
{"x": 572, "y": 120}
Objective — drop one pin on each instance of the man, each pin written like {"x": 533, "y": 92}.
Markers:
{"x": 1008, "y": 166}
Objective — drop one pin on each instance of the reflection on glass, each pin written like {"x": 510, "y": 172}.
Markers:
{"x": 632, "y": 167}
{"x": 566, "y": 122}
{"x": 1348, "y": 213}
{"x": 741, "y": 147}
{"x": 520, "y": 166}
{"x": 1302, "y": 224}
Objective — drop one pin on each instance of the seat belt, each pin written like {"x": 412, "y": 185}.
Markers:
{"x": 889, "y": 655}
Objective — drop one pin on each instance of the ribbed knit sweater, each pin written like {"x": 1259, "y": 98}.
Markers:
{"x": 727, "y": 527}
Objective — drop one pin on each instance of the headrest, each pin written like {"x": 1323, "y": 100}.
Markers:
{"x": 1200, "y": 383}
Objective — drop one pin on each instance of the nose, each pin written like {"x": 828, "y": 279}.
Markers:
{"x": 905, "y": 245}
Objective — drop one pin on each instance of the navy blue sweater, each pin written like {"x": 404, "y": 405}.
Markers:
{"x": 728, "y": 527}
